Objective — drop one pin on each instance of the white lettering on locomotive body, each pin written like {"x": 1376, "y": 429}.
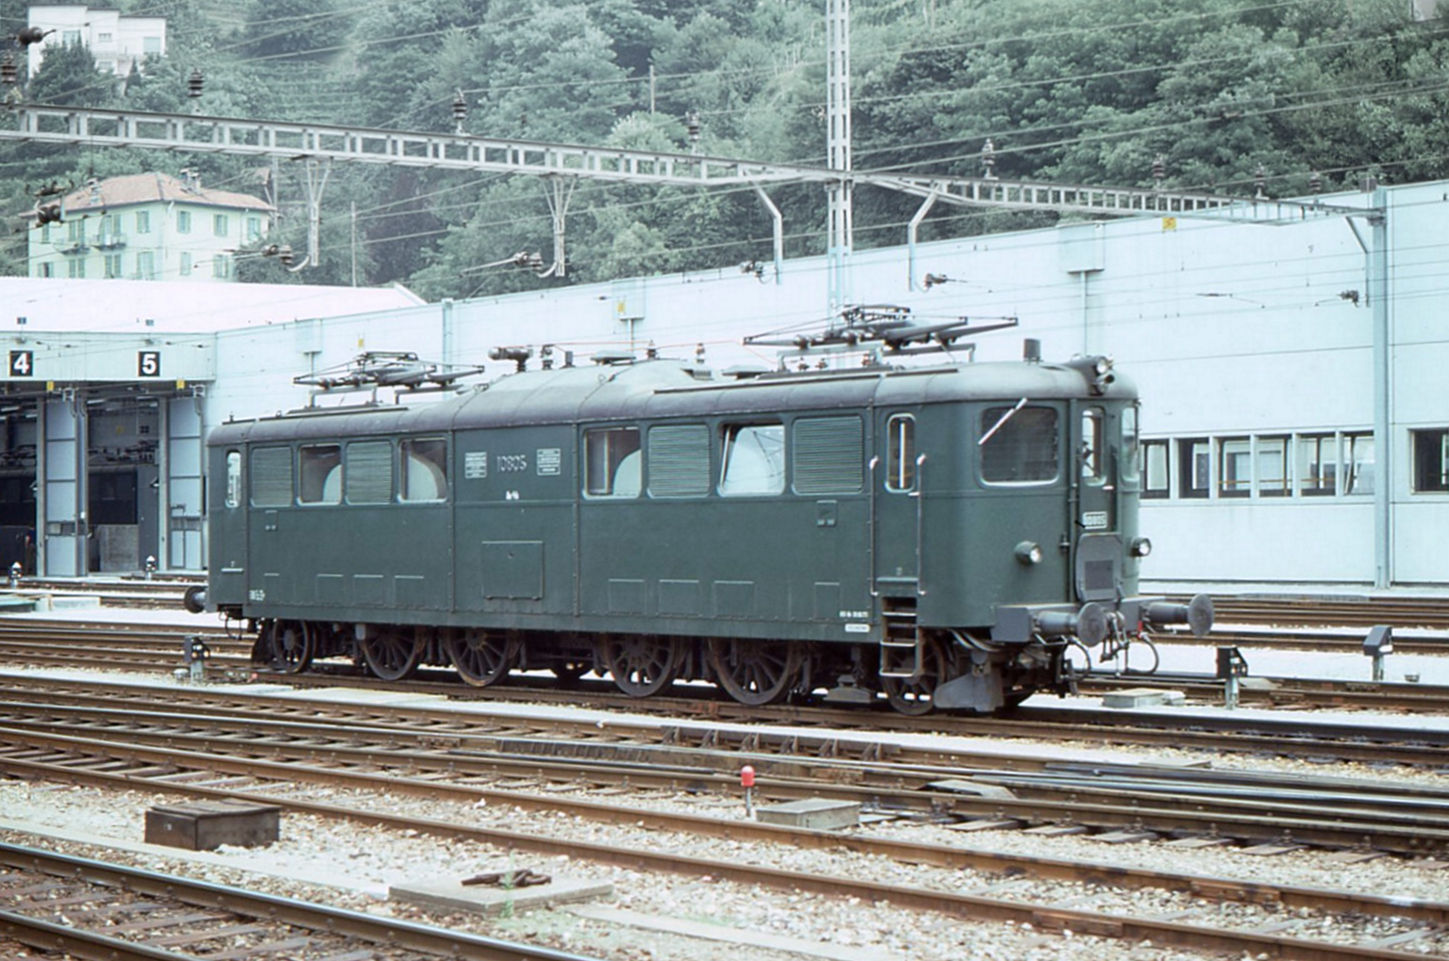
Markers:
{"x": 854, "y": 615}
{"x": 548, "y": 460}
{"x": 512, "y": 463}
{"x": 1094, "y": 520}
{"x": 857, "y": 628}
{"x": 475, "y": 464}
{"x": 256, "y": 594}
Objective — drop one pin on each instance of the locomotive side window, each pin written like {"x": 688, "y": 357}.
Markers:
{"x": 754, "y": 459}
{"x": 423, "y": 469}
{"x": 320, "y": 474}
{"x": 611, "y": 459}
{"x": 1019, "y": 445}
{"x": 901, "y": 453}
{"x": 828, "y": 455}
{"x": 272, "y": 477}
{"x": 1092, "y": 419}
{"x": 369, "y": 472}
{"x": 679, "y": 461}
{"x": 1131, "y": 445}
{"x": 233, "y": 478}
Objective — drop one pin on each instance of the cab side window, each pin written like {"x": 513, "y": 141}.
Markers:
{"x": 901, "y": 453}
{"x": 423, "y": 469}
{"x": 1019, "y": 445}
{"x": 320, "y": 474}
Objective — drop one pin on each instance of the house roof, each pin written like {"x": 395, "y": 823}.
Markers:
{"x": 150, "y": 188}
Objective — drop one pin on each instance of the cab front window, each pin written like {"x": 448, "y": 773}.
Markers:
{"x": 1019, "y": 445}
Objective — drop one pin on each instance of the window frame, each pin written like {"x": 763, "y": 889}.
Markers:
{"x": 1262, "y": 448}
{"x": 1233, "y": 451}
{"x": 1190, "y": 484}
{"x": 900, "y": 473}
{"x": 1421, "y": 446}
{"x": 606, "y": 487}
{"x": 232, "y": 495}
{"x": 998, "y": 417}
{"x": 1163, "y": 490}
{"x": 1350, "y": 442}
{"x": 406, "y": 444}
{"x": 311, "y": 489}
{"x": 730, "y": 434}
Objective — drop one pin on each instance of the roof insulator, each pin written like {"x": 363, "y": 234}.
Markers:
{"x": 194, "y": 83}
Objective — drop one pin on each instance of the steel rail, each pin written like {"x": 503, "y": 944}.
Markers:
{"x": 954, "y": 904}
{"x": 1103, "y": 807}
{"x": 393, "y": 932}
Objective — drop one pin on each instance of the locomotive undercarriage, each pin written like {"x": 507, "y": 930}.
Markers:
{"x": 975, "y": 674}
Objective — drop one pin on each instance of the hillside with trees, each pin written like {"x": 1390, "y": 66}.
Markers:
{"x": 1220, "y": 90}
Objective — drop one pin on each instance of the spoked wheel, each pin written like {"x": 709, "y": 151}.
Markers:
{"x": 755, "y": 672}
{"x": 482, "y": 657}
{"x": 641, "y": 664}
{"x": 392, "y": 655}
{"x": 913, "y": 695}
{"x": 292, "y": 646}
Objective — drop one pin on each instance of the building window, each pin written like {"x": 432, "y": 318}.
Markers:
{"x": 70, "y": 37}
{"x": 423, "y": 469}
{"x": 901, "y": 453}
{"x": 183, "y": 221}
{"x": 1273, "y": 466}
{"x": 753, "y": 459}
{"x": 220, "y": 266}
{"x": 219, "y": 225}
{"x": 185, "y": 269}
{"x": 1317, "y": 464}
{"x": 1235, "y": 466}
{"x": 75, "y": 231}
{"x": 113, "y": 266}
{"x": 320, "y": 474}
{"x": 45, "y": 270}
{"x": 143, "y": 221}
{"x": 146, "y": 265}
{"x": 151, "y": 45}
{"x": 103, "y": 38}
{"x": 1018, "y": 445}
{"x": 1358, "y": 463}
{"x": 75, "y": 268}
{"x": 1156, "y": 480}
{"x": 1431, "y": 460}
{"x": 254, "y": 229}
{"x": 611, "y": 462}
{"x": 1194, "y": 473}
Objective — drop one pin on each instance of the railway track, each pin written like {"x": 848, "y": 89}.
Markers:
{"x": 473, "y": 753}
{"x": 87, "y": 760}
{"x": 93, "y": 909}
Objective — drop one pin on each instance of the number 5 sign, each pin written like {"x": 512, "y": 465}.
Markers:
{"x": 22, "y": 363}
{"x": 148, "y": 363}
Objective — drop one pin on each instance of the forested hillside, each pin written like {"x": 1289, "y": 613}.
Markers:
{"x": 1066, "y": 90}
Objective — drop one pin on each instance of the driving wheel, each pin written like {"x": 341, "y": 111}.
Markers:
{"x": 392, "y": 655}
{"x": 755, "y": 672}
{"x": 482, "y": 657}
{"x": 642, "y": 665}
{"x": 292, "y": 646}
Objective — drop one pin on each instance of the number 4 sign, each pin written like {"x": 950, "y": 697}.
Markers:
{"x": 22, "y": 363}
{"x": 148, "y": 363}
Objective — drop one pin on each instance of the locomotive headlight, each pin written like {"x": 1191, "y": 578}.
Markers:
{"x": 1140, "y": 547}
{"x": 1028, "y": 553}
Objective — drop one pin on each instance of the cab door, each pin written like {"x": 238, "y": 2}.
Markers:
{"x": 898, "y": 470}
{"x": 1097, "y": 553}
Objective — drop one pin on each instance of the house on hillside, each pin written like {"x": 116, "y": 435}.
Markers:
{"x": 148, "y": 226}
{"x": 116, "y": 41}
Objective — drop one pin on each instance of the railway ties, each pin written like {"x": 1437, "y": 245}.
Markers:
{"x": 91, "y": 908}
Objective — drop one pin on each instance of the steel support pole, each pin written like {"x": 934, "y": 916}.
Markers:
{"x": 911, "y": 230}
{"x": 777, "y": 223}
{"x": 1379, "y": 305}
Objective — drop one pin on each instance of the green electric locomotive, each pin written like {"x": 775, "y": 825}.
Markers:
{"x": 937, "y": 536}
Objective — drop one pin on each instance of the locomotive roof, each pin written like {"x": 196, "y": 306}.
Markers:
{"x": 665, "y": 388}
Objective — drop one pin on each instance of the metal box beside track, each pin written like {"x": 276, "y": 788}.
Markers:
{"x": 204, "y": 825}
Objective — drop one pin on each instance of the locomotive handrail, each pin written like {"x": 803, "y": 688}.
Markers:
{"x": 919, "y": 495}
{"x": 870, "y": 540}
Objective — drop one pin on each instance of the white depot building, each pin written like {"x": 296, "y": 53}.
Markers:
{"x": 1294, "y": 405}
